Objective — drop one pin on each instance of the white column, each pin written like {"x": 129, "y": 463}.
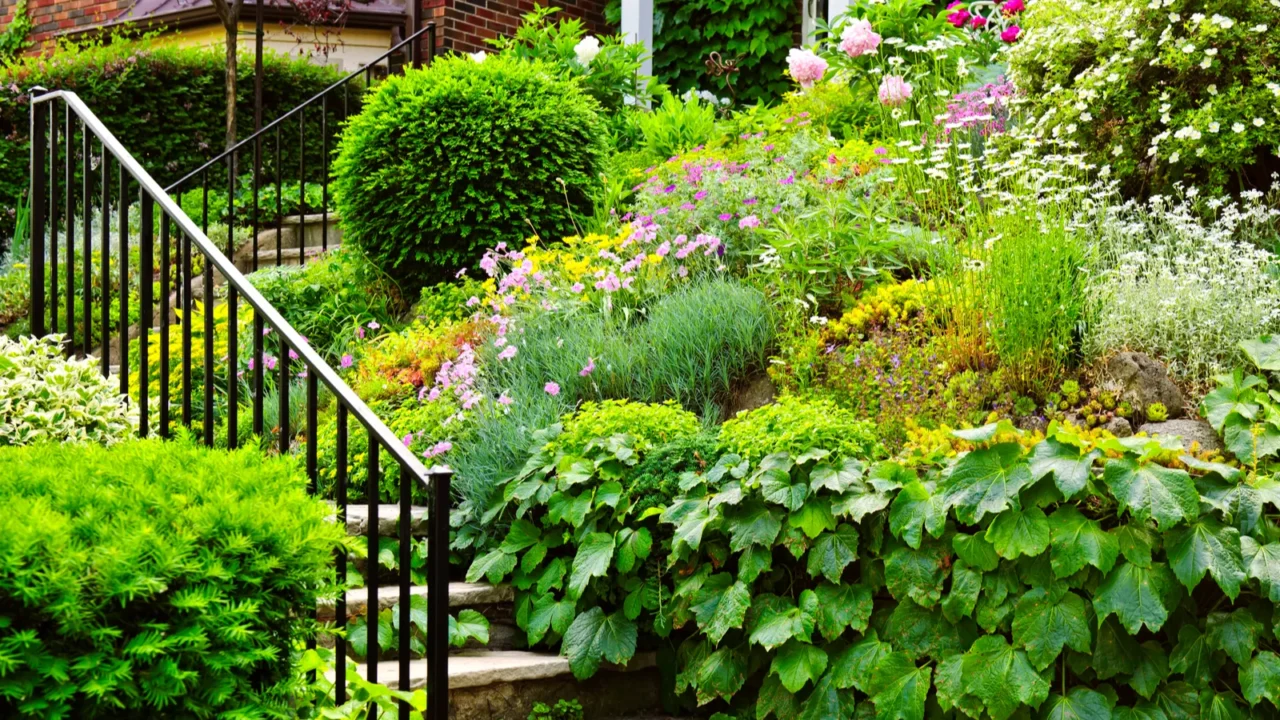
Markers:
{"x": 836, "y": 8}
{"x": 637, "y": 26}
{"x": 808, "y": 21}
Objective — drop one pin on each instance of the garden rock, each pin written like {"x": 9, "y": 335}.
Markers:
{"x": 1144, "y": 381}
{"x": 1191, "y": 431}
{"x": 1032, "y": 423}
{"x": 754, "y": 393}
{"x": 1119, "y": 427}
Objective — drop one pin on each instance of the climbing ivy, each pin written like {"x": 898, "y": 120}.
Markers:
{"x": 14, "y": 38}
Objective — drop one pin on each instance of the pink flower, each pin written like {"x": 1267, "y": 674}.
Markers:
{"x": 1013, "y": 7}
{"x": 433, "y": 395}
{"x": 270, "y": 362}
{"x": 701, "y": 194}
{"x": 750, "y": 221}
{"x": 663, "y": 249}
{"x": 293, "y": 355}
{"x": 726, "y": 217}
{"x": 551, "y": 389}
{"x": 788, "y": 180}
{"x": 610, "y": 283}
{"x": 360, "y": 331}
{"x": 407, "y": 440}
{"x": 959, "y": 18}
{"x": 894, "y": 90}
{"x": 977, "y": 21}
{"x": 473, "y": 301}
{"x": 347, "y": 361}
{"x": 439, "y": 448}
{"x": 373, "y": 325}
{"x": 858, "y": 38}
{"x": 577, "y": 288}
{"x": 505, "y": 399}
{"x": 1011, "y": 33}
{"x": 588, "y": 368}
{"x": 507, "y": 353}
{"x": 806, "y": 67}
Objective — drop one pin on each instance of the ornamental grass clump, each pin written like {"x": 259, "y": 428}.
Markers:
{"x": 448, "y": 160}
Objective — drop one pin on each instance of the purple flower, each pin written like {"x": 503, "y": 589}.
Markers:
{"x": 347, "y": 361}
{"x": 788, "y": 180}
{"x": 701, "y": 194}
{"x": 726, "y": 217}
{"x": 669, "y": 189}
{"x": 590, "y": 366}
{"x": 551, "y": 389}
{"x": 750, "y": 201}
{"x": 688, "y": 206}
{"x": 776, "y": 209}
{"x": 407, "y": 440}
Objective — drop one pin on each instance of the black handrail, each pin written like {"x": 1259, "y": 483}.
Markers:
{"x": 48, "y": 146}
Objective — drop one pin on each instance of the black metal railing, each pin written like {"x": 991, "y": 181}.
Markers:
{"x": 269, "y": 149}
{"x": 68, "y": 140}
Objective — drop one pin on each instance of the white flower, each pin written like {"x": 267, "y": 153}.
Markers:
{"x": 1212, "y": 89}
{"x": 1211, "y": 51}
{"x": 1188, "y": 48}
{"x": 1206, "y": 63}
{"x": 1238, "y": 127}
{"x": 1258, "y": 122}
{"x": 1214, "y": 126}
{"x": 587, "y": 49}
{"x": 1175, "y": 157}
{"x": 479, "y": 56}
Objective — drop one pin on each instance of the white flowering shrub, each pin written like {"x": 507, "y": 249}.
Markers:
{"x": 1169, "y": 282}
{"x": 1158, "y": 90}
{"x": 45, "y": 397}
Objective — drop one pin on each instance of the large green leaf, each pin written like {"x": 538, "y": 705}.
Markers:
{"x": 570, "y": 509}
{"x": 1235, "y": 633}
{"x": 1136, "y": 540}
{"x": 721, "y": 605}
{"x": 966, "y": 584}
{"x": 1001, "y": 677}
{"x": 1078, "y": 541}
{"x": 752, "y": 523}
{"x": 1206, "y": 546}
{"x": 1263, "y": 563}
{"x": 1115, "y": 652}
{"x": 691, "y": 517}
{"x": 522, "y": 534}
{"x": 852, "y": 666}
{"x": 594, "y": 555}
{"x": 594, "y": 636}
{"x": 1141, "y": 711}
{"x": 976, "y": 550}
{"x": 832, "y": 552}
{"x": 1069, "y": 465}
{"x": 1260, "y": 678}
{"x": 836, "y": 478}
{"x": 1078, "y": 704}
{"x": 1235, "y": 396}
{"x": 721, "y": 674}
{"x": 842, "y": 606}
{"x": 549, "y": 615}
{"x": 493, "y": 566}
{"x": 798, "y": 663}
{"x": 777, "y": 488}
{"x": 1019, "y": 532}
{"x": 813, "y": 517}
{"x": 1151, "y": 670}
{"x": 775, "y": 700}
{"x": 917, "y": 574}
{"x": 1194, "y": 657}
{"x": 922, "y": 631}
{"x": 1046, "y": 621}
{"x": 949, "y": 680}
{"x": 633, "y": 547}
{"x": 1219, "y": 706}
{"x": 775, "y": 620}
{"x": 985, "y": 481}
{"x": 1136, "y": 595}
{"x": 915, "y": 509}
{"x": 826, "y": 701}
{"x": 1149, "y": 490}
{"x": 899, "y": 688}
{"x": 1178, "y": 701}
{"x": 1263, "y": 352}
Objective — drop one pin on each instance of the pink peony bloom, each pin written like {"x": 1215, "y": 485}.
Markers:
{"x": 959, "y": 18}
{"x": 894, "y": 90}
{"x": 858, "y": 38}
{"x": 806, "y": 67}
{"x": 1013, "y": 7}
{"x": 588, "y": 368}
{"x": 977, "y": 22}
{"x": 750, "y": 221}
{"x": 1011, "y": 33}
{"x": 551, "y": 389}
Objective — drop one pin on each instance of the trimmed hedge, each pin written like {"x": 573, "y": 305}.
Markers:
{"x": 165, "y": 104}
{"x": 154, "y": 580}
{"x": 449, "y": 160}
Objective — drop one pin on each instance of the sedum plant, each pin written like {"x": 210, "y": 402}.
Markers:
{"x": 46, "y": 397}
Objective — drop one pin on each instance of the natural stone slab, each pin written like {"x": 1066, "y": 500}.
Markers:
{"x": 388, "y": 519}
{"x": 479, "y": 668}
{"x": 1191, "y": 431}
{"x": 461, "y": 595}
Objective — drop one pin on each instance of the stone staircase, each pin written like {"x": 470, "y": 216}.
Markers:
{"x": 300, "y": 236}
{"x": 501, "y": 680}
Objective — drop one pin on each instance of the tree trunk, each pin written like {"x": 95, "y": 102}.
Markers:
{"x": 229, "y": 13}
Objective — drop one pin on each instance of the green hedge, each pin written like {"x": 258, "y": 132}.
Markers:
{"x": 165, "y": 104}
{"x": 154, "y": 580}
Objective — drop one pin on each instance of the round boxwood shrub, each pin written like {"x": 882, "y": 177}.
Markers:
{"x": 1157, "y": 92}
{"x": 446, "y": 161}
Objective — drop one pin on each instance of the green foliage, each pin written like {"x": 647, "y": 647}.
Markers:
{"x": 466, "y": 626}
{"x": 648, "y": 424}
{"x": 14, "y": 38}
{"x": 165, "y": 103}
{"x": 677, "y": 125}
{"x": 656, "y": 478}
{"x": 756, "y": 34}
{"x": 447, "y": 301}
{"x": 316, "y": 699}
{"x": 329, "y": 299}
{"x": 563, "y": 710}
{"x": 1178, "y": 92}
{"x": 1243, "y": 409}
{"x": 46, "y": 397}
{"x": 158, "y": 578}
{"x": 794, "y": 425}
{"x": 445, "y": 161}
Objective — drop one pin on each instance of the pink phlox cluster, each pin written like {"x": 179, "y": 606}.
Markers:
{"x": 985, "y": 109}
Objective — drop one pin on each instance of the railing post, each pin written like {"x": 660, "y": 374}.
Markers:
{"x": 438, "y": 595}
{"x": 36, "y": 196}
{"x": 415, "y": 21}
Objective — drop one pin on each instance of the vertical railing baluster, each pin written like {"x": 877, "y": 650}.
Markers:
{"x": 313, "y": 409}
{"x": 257, "y": 185}
{"x": 302, "y": 186}
{"x": 145, "y": 254}
{"x": 340, "y": 615}
{"x": 164, "y": 326}
{"x": 124, "y": 281}
{"x": 324, "y": 174}
{"x": 209, "y": 329}
{"x": 104, "y": 248}
{"x": 371, "y": 546}
{"x": 282, "y": 395}
{"x": 406, "y": 554}
{"x": 279, "y": 171}
{"x": 39, "y": 134}
{"x": 53, "y": 218}
{"x": 438, "y": 595}
{"x": 86, "y": 262}
{"x": 188, "y": 308}
{"x": 70, "y": 205}
{"x": 233, "y": 367}
{"x": 259, "y": 372}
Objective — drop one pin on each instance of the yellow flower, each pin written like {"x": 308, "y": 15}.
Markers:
{"x": 654, "y": 258}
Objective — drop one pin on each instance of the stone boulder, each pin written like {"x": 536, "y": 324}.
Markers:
{"x": 1118, "y": 426}
{"x": 1143, "y": 381}
{"x": 1191, "y": 431}
{"x": 750, "y": 394}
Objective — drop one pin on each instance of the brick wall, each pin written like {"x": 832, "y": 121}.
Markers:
{"x": 466, "y": 24}
{"x": 54, "y": 16}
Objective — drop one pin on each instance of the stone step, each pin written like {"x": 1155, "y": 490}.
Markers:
{"x": 461, "y": 595}
{"x": 388, "y": 519}
{"x": 481, "y": 668}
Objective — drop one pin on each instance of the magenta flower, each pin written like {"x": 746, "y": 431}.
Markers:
{"x": 959, "y": 18}
{"x": 977, "y": 22}
{"x": 407, "y": 440}
{"x": 750, "y": 201}
{"x": 270, "y": 362}
{"x": 346, "y": 362}
{"x": 726, "y": 217}
{"x": 701, "y": 194}
{"x": 1011, "y": 33}
{"x": 788, "y": 180}
{"x": 1013, "y": 7}
{"x": 881, "y": 151}
{"x": 551, "y": 389}
{"x": 777, "y": 209}
{"x": 588, "y": 368}
{"x": 688, "y": 206}
{"x": 293, "y": 355}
